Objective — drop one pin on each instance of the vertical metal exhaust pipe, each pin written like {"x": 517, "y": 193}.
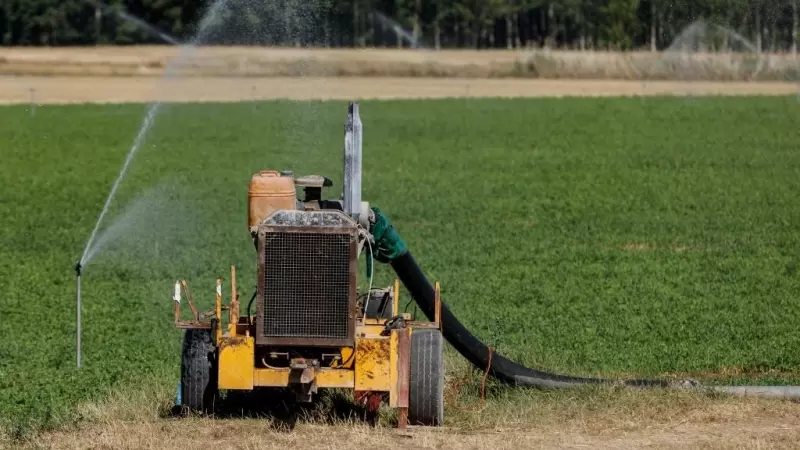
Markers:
{"x": 352, "y": 162}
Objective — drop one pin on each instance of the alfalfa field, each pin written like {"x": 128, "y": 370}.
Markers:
{"x": 647, "y": 237}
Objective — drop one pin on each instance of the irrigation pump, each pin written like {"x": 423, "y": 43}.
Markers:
{"x": 312, "y": 327}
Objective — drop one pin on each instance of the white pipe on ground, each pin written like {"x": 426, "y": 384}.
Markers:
{"x": 784, "y": 392}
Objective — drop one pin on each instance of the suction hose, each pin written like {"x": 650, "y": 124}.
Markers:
{"x": 392, "y": 249}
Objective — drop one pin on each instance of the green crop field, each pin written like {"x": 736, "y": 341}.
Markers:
{"x": 614, "y": 237}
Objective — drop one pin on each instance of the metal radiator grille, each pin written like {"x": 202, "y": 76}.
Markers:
{"x": 306, "y": 285}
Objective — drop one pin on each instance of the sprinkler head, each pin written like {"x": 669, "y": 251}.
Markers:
{"x": 78, "y": 268}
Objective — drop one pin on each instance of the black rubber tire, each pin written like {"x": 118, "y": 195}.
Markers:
{"x": 426, "y": 385}
{"x": 199, "y": 390}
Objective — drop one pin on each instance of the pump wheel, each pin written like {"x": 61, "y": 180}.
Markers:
{"x": 198, "y": 371}
{"x": 426, "y": 386}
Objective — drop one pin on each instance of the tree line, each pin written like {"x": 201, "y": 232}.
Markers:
{"x": 760, "y": 25}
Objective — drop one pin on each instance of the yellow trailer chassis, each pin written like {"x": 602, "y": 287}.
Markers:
{"x": 378, "y": 363}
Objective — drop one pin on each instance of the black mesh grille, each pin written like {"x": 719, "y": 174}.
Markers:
{"x": 306, "y": 285}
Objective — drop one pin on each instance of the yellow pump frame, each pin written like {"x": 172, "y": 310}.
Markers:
{"x": 378, "y": 362}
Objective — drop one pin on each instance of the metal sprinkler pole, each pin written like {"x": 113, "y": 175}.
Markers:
{"x": 78, "y": 309}
{"x": 33, "y": 101}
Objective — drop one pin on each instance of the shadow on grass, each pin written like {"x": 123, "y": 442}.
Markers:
{"x": 279, "y": 408}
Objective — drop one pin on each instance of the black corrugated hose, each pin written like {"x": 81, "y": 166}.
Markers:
{"x": 393, "y": 250}
{"x": 475, "y": 351}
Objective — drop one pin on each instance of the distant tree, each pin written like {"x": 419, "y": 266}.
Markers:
{"x": 583, "y": 24}
{"x": 795, "y": 26}
{"x": 443, "y": 10}
{"x": 621, "y": 23}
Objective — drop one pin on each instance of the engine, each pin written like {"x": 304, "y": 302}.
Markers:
{"x": 308, "y": 252}
{"x": 307, "y": 279}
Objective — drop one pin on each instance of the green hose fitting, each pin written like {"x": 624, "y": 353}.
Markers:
{"x": 388, "y": 244}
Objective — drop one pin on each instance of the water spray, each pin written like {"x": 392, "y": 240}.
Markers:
{"x": 398, "y": 30}
{"x": 151, "y": 29}
{"x": 214, "y": 11}
{"x": 78, "y": 268}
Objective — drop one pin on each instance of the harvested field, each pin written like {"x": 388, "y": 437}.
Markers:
{"x": 60, "y": 89}
{"x": 281, "y": 62}
{"x": 135, "y": 74}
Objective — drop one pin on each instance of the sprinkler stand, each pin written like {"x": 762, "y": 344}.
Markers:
{"x": 78, "y": 268}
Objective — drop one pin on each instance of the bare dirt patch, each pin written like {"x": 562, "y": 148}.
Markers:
{"x": 69, "y": 89}
{"x": 722, "y": 424}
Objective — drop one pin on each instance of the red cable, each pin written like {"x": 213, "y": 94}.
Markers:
{"x": 485, "y": 376}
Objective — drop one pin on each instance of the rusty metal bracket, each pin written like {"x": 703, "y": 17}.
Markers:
{"x": 437, "y": 318}
{"x": 436, "y": 324}
{"x": 402, "y": 388}
{"x": 207, "y": 315}
{"x": 192, "y": 324}
{"x": 395, "y": 323}
{"x": 218, "y": 308}
{"x": 233, "y": 311}
{"x": 303, "y": 377}
{"x": 189, "y": 298}
{"x": 195, "y": 322}
{"x": 396, "y": 298}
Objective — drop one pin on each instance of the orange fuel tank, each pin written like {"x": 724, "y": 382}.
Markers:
{"x": 269, "y": 192}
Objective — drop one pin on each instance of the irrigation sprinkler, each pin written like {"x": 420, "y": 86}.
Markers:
{"x": 212, "y": 13}
{"x": 400, "y": 33}
{"x": 149, "y": 28}
{"x": 32, "y": 97}
{"x": 78, "y": 268}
